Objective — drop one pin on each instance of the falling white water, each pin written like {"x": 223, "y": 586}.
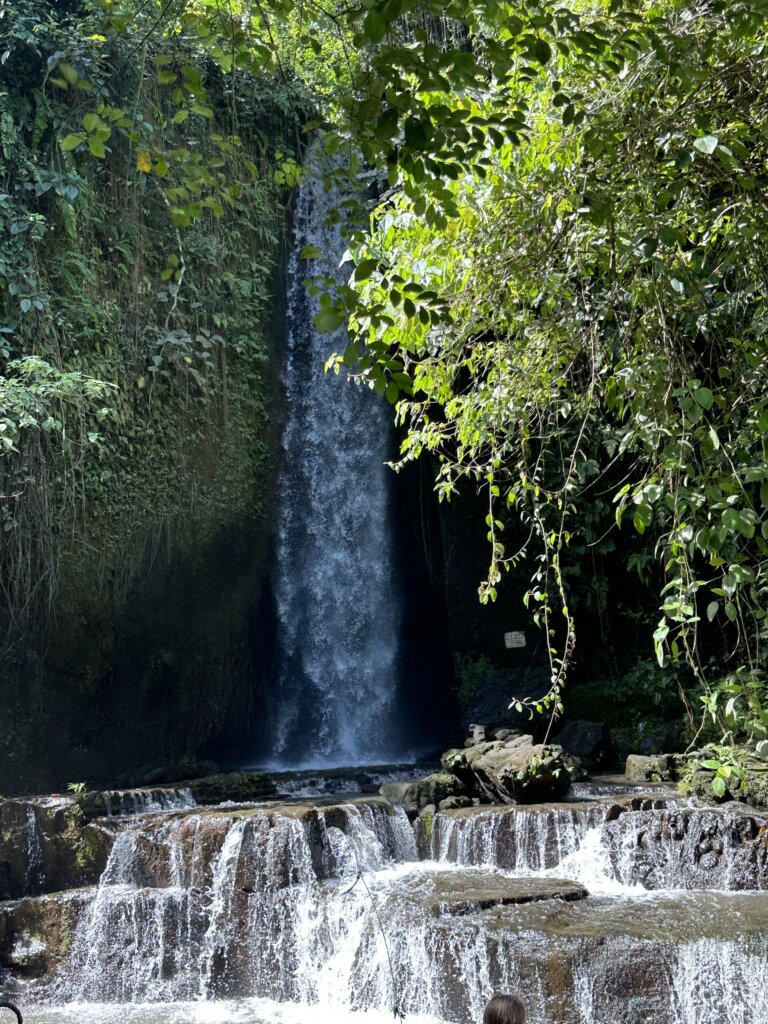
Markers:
{"x": 560, "y": 842}
{"x": 715, "y": 982}
{"x": 34, "y": 860}
{"x": 146, "y": 801}
{"x": 220, "y": 904}
{"x": 337, "y": 596}
{"x": 323, "y": 915}
{"x": 637, "y": 850}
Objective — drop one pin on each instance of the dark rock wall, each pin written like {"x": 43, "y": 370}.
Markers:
{"x": 166, "y": 655}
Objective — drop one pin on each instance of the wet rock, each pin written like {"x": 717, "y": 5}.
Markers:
{"x": 454, "y": 803}
{"x": 515, "y": 770}
{"x": 93, "y": 805}
{"x": 47, "y": 844}
{"x": 657, "y": 768}
{"x": 460, "y": 894}
{"x": 588, "y": 741}
{"x": 180, "y": 771}
{"x": 239, "y": 787}
{"x": 414, "y": 795}
{"x": 36, "y": 932}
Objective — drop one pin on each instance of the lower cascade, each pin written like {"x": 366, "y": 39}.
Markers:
{"x": 630, "y": 908}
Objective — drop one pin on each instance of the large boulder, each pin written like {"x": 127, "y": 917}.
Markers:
{"x": 516, "y": 770}
{"x": 413, "y": 795}
{"x": 36, "y": 932}
{"x": 657, "y": 768}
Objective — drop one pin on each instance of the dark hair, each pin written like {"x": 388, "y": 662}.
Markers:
{"x": 504, "y": 1010}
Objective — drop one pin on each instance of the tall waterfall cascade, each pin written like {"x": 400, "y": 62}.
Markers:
{"x": 342, "y": 913}
{"x": 338, "y": 602}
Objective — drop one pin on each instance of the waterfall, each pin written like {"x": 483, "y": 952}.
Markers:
{"x": 336, "y": 587}
{"x": 610, "y": 848}
{"x": 146, "y": 801}
{"x": 324, "y": 913}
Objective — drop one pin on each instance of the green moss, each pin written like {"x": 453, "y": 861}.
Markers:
{"x": 130, "y": 497}
{"x": 428, "y": 820}
{"x": 65, "y": 929}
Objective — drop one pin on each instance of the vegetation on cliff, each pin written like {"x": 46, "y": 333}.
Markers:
{"x": 561, "y": 289}
{"x": 141, "y": 226}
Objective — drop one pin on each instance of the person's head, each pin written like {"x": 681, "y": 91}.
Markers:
{"x": 504, "y": 1010}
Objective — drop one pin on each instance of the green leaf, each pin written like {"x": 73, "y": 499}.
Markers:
{"x": 91, "y": 122}
{"x": 710, "y": 764}
{"x": 365, "y": 269}
{"x": 374, "y": 26}
{"x": 310, "y": 252}
{"x": 329, "y": 319}
{"x": 72, "y": 141}
{"x": 415, "y": 134}
{"x": 706, "y": 144}
{"x": 542, "y": 51}
{"x": 712, "y": 609}
{"x": 703, "y": 397}
{"x": 718, "y": 786}
{"x": 97, "y": 147}
{"x": 68, "y": 73}
{"x": 386, "y": 126}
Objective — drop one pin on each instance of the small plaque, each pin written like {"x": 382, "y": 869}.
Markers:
{"x": 514, "y": 640}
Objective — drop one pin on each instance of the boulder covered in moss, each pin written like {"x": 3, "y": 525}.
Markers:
{"x": 36, "y": 932}
{"x": 515, "y": 770}
{"x": 47, "y": 844}
{"x": 413, "y": 795}
{"x": 718, "y": 776}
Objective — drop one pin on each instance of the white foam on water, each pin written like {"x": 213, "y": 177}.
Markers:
{"x": 239, "y": 1011}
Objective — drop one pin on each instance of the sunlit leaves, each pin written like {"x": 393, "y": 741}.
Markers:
{"x": 591, "y": 284}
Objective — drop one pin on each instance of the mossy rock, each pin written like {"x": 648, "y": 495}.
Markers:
{"x": 240, "y": 787}
{"x": 752, "y": 789}
{"x": 413, "y": 795}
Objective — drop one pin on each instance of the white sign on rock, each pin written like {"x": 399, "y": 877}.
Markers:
{"x": 514, "y": 640}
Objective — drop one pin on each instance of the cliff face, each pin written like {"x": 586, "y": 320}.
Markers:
{"x": 141, "y": 333}
{"x": 153, "y": 645}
